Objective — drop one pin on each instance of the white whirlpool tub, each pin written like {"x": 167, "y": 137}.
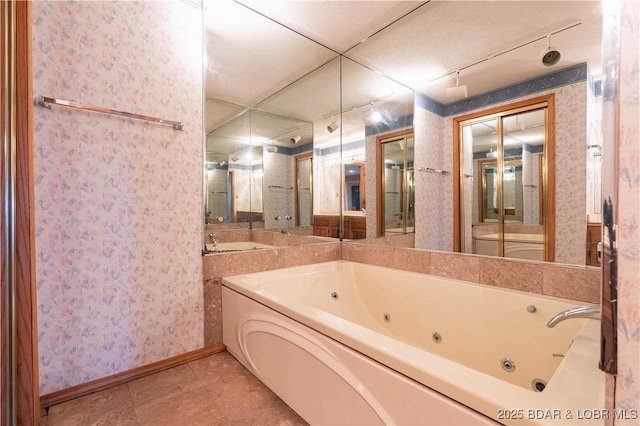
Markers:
{"x": 348, "y": 343}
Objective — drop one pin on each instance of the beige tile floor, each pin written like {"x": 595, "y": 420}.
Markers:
{"x": 216, "y": 390}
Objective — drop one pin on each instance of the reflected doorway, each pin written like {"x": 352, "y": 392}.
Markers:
{"x": 304, "y": 189}
{"x": 395, "y": 179}
{"x": 354, "y": 192}
{"x": 505, "y": 205}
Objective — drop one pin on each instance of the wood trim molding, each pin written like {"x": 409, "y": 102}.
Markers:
{"x": 83, "y": 389}
{"x": 379, "y": 189}
{"x": 3, "y": 274}
{"x": 457, "y": 238}
{"x": 27, "y": 409}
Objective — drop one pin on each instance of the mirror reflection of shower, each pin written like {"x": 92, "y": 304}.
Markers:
{"x": 503, "y": 190}
{"x": 396, "y": 183}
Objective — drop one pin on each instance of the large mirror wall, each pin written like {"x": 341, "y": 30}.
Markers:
{"x": 310, "y": 128}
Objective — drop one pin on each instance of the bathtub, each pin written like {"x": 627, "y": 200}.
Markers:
{"x": 516, "y": 245}
{"x": 236, "y": 246}
{"x": 348, "y": 343}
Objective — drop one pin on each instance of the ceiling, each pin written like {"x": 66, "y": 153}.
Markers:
{"x": 256, "y": 49}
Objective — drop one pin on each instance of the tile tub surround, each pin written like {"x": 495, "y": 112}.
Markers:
{"x": 227, "y": 235}
{"x": 221, "y": 265}
{"x": 400, "y": 240}
{"x": 567, "y": 281}
{"x": 275, "y": 237}
{"x": 579, "y": 283}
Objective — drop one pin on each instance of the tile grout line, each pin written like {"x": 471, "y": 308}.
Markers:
{"x": 135, "y": 413}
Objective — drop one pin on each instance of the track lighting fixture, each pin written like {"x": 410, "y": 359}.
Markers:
{"x": 376, "y": 117}
{"x": 333, "y": 126}
{"x": 550, "y": 55}
{"x": 491, "y": 153}
{"x": 457, "y": 93}
{"x": 295, "y": 139}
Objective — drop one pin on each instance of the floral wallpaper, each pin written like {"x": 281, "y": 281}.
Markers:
{"x": 571, "y": 172}
{"x": 278, "y": 189}
{"x": 118, "y": 202}
{"x": 434, "y": 205}
{"x": 305, "y": 206}
{"x": 627, "y": 387}
{"x": 370, "y": 183}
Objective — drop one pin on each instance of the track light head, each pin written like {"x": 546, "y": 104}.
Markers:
{"x": 456, "y": 93}
{"x": 333, "y": 126}
{"x": 550, "y": 55}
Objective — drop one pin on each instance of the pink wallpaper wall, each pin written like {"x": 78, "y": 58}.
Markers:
{"x": 434, "y": 227}
{"x": 118, "y": 201}
{"x": 278, "y": 190}
{"x": 627, "y": 390}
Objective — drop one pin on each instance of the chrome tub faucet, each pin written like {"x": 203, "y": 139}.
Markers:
{"x": 214, "y": 239}
{"x": 584, "y": 311}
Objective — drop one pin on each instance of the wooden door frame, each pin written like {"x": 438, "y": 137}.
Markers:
{"x": 27, "y": 402}
{"x": 549, "y": 201}
{"x": 380, "y": 141}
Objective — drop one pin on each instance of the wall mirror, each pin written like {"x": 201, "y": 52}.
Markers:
{"x": 311, "y": 163}
{"x": 260, "y": 122}
{"x": 374, "y": 107}
{"x": 255, "y": 62}
{"x": 506, "y": 188}
{"x": 233, "y": 174}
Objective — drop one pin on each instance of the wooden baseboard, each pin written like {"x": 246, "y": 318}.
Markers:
{"x": 73, "y": 392}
